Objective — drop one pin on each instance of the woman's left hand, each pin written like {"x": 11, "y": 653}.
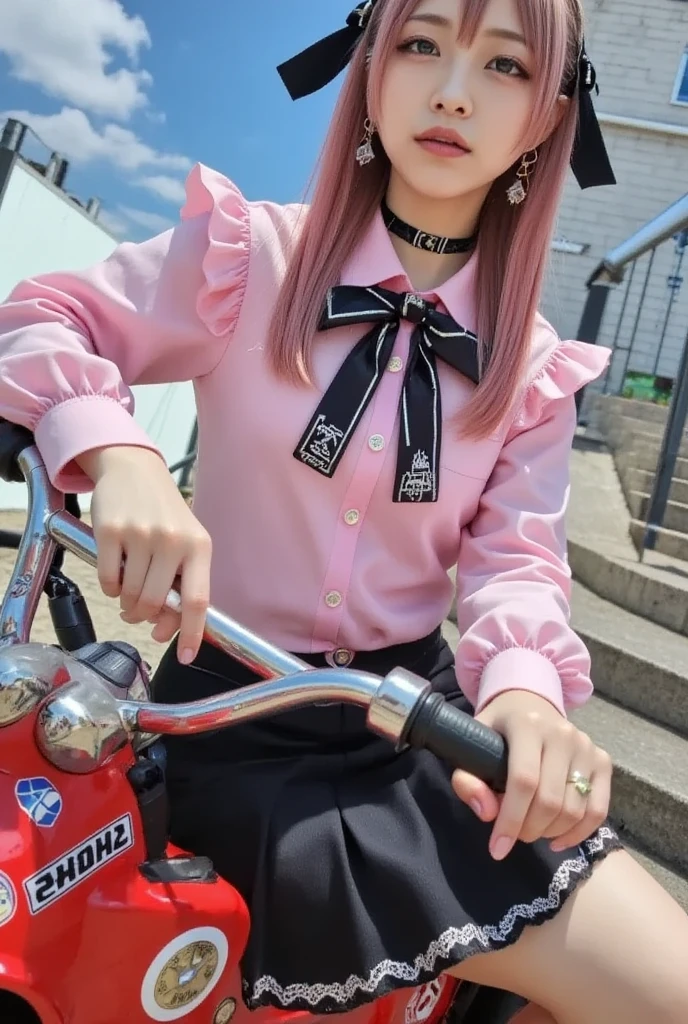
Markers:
{"x": 539, "y": 802}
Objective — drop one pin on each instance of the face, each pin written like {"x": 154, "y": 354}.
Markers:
{"x": 453, "y": 117}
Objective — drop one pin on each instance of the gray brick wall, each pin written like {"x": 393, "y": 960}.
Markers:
{"x": 637, "y": 46}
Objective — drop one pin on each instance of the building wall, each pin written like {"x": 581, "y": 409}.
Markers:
{"x": 41, "y": 231}
{"x": 637, "y": 47}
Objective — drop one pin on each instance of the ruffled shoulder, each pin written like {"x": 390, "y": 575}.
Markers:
{"x": 226, "y": 261}
{"x": 559, "y": 369}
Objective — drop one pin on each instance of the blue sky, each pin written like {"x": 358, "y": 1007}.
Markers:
{"x": 134, "y": 92}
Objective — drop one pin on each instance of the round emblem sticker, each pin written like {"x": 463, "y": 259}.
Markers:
{"x": 184, "y": 973}
{"x": 8, "y": 899}
{"x": 423, "y": 1001}
{"x": 225, "y": 1011}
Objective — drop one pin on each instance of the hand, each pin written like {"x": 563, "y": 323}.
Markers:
{"x": 147, "y": 536}
{"x": 539, "y": 802}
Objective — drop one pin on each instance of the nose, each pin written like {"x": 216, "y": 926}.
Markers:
{"x": 453, "y": 94}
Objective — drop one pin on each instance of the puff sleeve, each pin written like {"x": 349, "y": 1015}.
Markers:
{"x": 73, "y": 344}
{"x": 513, "y": 579}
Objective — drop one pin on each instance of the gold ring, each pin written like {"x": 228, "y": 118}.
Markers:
{"x": 581, "y": 782}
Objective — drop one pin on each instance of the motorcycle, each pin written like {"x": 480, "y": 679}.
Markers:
{"x": 102, "y": 919}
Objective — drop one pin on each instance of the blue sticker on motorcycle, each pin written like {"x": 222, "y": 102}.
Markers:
{"x": 40, "y": 800}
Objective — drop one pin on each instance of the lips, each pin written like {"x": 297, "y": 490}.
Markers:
{"x": 446, "y": 136}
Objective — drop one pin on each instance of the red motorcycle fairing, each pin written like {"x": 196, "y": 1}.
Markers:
{"x": 86, "y": 938}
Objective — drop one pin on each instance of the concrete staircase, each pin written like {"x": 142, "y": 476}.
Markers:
{"x": 634, "y": 619}
{"x": 633, "y": 432}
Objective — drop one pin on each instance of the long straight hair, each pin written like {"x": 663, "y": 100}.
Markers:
{"x": 514, "y": 241}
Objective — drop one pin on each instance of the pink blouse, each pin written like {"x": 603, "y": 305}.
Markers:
{"x": 311, "y": 563}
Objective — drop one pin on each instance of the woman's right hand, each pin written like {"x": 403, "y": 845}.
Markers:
{"x": 147, "y": 538}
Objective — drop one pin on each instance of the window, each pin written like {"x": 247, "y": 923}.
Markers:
{"x": 681, "y": 87}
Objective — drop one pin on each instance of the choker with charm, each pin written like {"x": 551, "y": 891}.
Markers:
{"x": 423, "y": 239}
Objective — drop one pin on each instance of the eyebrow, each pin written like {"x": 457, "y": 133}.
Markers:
{"x": 505, "y": 33}
{"x": 491, "y": 33}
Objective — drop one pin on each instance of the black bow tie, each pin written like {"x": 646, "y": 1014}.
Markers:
{"x": 435, "y": 335}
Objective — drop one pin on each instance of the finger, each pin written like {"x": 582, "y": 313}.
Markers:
{"x": 523, "y": 779}
{"x": 162, "y": 572}
{"x": 109, "y": 560}
{"x": 137, "y": 559}
{"x": 596, "y": 806}
{"x": 194, "y": 592}
{"x": 166, "y": 626}
{"x": 548, "y": 802}
{"x": 574, "y": 806}
{"x": 479, "y": 797}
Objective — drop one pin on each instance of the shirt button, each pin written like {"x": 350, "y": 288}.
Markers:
{"x": 395, "y": 364}
{"x": 333, "y": 599}
{"x": 376, "y": 443}
{"x": 352, "y": 516}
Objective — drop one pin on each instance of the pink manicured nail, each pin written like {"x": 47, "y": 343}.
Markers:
{"x": 476, "y": 807}
{"x": 501, "y": 847}
{"x": 187, "y": 656}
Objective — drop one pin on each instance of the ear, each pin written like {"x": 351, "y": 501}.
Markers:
{"x": 562, "y": 105}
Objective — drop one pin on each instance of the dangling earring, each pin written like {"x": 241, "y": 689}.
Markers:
{"x": 517, "y": 192}
{"x": 365, "y": 152}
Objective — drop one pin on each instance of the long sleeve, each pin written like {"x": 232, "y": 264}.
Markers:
{"x": 72, "y": 345}
{"x": 513, "y": 579}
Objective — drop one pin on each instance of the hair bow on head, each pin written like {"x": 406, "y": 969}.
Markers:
{"x": 317, "y": 66}
{"x": 589, "y": 160}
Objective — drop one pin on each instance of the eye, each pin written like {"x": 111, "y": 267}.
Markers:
{"x": 507, "y": 66}
{"x": 423, "y": 47}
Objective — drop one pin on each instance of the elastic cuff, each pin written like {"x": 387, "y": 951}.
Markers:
{"x": 79, "y": 425}
{"x": 519, "y": 668}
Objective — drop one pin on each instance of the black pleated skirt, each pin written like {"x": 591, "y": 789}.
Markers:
{"x": 362, "y": 871}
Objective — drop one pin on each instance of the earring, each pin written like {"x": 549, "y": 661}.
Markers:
{"x": 365, "y": 152}
{"x": 517, "y": 192}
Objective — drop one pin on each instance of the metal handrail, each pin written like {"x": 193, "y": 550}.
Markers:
{"x": 660, "y": 229}
{"x": 607, "y": 275}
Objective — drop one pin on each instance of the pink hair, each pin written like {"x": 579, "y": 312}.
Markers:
{"x": 514, "y": 241}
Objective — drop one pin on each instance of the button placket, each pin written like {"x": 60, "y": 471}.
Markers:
{"x": 378, "y": 425}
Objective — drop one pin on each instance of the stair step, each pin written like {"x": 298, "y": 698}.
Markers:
{"x": 673, "y": 543}
{"x": 650, "y": 787}
{"x": 608, "y": 406}
{"x": 675, "y": 514}
{"x": 644, "y": 456}
{"x": 634, "y": 480}
{"x": 635, "y": 662}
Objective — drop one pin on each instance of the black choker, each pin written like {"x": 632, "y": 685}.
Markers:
{"x": 423, "y": 240}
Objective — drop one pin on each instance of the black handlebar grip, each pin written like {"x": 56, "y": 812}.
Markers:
{"x": 461, "y": 741}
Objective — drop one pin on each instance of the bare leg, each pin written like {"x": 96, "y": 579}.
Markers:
{"x": 532, "y": 1014}
{"x": 615, "y": 952}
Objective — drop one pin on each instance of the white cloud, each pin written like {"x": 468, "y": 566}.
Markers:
{"x": 67, "y": 48}
{"x": 167, "y": 188}
{"x": 71, "y": 133}
{"x": 150, "y": 221}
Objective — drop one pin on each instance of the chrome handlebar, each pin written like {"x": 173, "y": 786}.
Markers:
{"x": 82, "y": 723}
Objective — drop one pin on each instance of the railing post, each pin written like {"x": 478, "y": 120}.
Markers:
{"x": 591, "y": 320}
{"x": 671, "y": 445}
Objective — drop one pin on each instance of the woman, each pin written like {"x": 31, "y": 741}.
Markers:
{"x": 339, "y": 478}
